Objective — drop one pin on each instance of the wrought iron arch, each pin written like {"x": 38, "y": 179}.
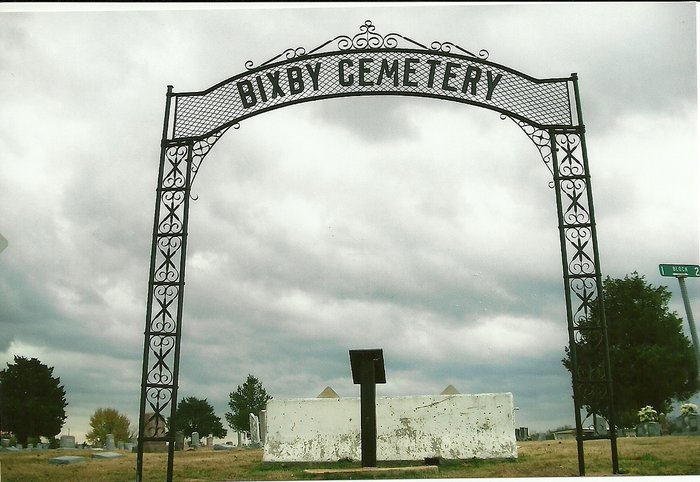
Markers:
{"x": 548, "y": 111}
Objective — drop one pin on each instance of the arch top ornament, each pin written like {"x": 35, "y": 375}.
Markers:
{"x": 369, "y": 63}
{"x": 367, "y": 38}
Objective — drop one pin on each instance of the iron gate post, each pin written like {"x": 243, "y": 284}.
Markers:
{"x": 161, "y": 353}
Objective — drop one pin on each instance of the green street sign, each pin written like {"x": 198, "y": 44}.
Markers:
{"x": 691, "y": 270}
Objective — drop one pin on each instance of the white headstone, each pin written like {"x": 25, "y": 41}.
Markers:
{"x": 195, "y": 439}
{"x": 254, "y": 429}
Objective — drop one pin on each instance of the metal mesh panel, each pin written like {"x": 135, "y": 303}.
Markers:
{"x": 539, "y": 102}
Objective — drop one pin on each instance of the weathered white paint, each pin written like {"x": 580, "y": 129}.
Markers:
{"x": 408, "y": 428}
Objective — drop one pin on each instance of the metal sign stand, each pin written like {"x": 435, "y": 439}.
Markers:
{"x": 681, "y": 272}
{"x": 367, "y": 368}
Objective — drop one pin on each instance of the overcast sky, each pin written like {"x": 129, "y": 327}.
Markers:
{"x": 423, "y": 227}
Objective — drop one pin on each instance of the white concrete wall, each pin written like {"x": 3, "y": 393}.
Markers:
{"x": 408, "y": 428}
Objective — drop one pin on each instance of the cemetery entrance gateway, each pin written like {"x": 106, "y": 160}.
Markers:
{"x": 548, "y": 111}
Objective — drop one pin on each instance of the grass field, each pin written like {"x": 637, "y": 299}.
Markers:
{"x": 674, "y": 455}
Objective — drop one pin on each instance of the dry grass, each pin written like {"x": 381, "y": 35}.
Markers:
{"x": 638, "y": 456}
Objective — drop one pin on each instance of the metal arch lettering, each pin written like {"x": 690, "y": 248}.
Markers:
{"x": 408, "y": 72}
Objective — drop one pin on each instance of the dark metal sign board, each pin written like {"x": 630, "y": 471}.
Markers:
{"x": 358, "y": 357}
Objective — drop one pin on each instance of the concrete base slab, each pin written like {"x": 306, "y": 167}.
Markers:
{"x": 67, "y": 459}
{"x": 106, "y": 455}
{"x": 372, "y": 470}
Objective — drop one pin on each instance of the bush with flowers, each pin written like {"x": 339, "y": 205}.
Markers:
{"x": 648, "y": 414}
{"x": 689, "y": 409}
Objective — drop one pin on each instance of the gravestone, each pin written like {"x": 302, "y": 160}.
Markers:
{"x": 66, "y": 460}
{"x": 685, "y": 424}
{"x": 210, "y": 441}
{"x": 109, "y": 441}
{"x": 194, "y": 442}
{"x": 600, "y": 426}
{"x": 254, "y": 430}
{"x": 154, "y": 427}
{"x": 240, "y": 439}
{"x": 180, "y": 440}
{"x": 224, "y": 447}
{"x": 106, "y": 455}
{"x": 263, "y": 426}
{"x": 522, "y": 434}
{"x": 663, "y": 421}
{"x": 648, "y": 429}
{"x": 5, "y": 443}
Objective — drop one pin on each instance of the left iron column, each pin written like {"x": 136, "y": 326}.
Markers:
{"x": 161, "y": 350}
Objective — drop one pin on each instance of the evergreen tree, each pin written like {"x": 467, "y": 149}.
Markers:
{"x": 652, "y": 361}
{"x": 249, "y": 398}
{"x": 32, "y": 400}
{"x": 196, "y": 415}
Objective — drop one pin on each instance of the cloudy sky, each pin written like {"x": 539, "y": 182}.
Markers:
{"x": 423, "y": 227}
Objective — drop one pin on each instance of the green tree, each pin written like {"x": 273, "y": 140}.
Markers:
{"x": 652, "y": 361}
{"x": 249, "y": 398}
{"x": 196, "y": 415}
{"x": 32, "y": 400}
{"x": 109, "y": 420}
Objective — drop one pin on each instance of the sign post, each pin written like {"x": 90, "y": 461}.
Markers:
{"x": 367, "y": 368}
{"x": 681, "y": 272}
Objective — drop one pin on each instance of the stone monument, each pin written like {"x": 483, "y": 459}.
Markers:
{"x": 254, "y": 430}
{"x": 154, "y": 427}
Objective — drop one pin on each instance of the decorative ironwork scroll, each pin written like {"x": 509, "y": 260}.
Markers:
{"x": 372, "y": 64}
{"x": 548, "y": 111}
